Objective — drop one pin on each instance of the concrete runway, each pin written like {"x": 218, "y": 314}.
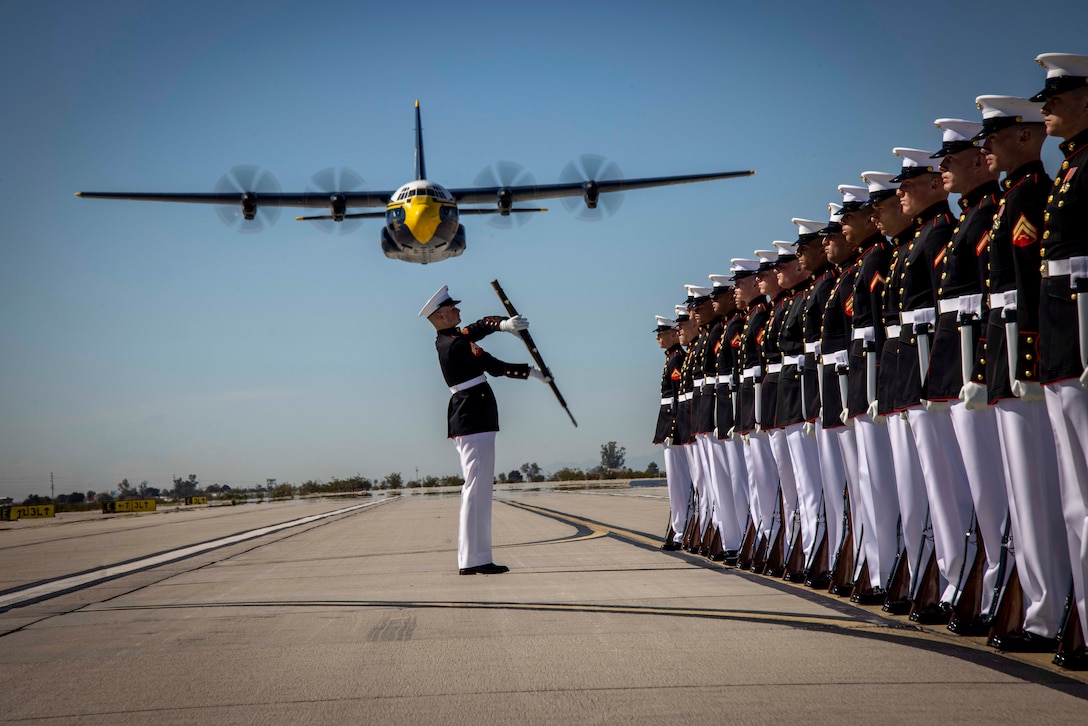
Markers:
{"x": 360, "y": 616}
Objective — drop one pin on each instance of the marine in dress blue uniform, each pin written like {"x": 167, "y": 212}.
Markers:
{"x": 1063, "y": 344}
{"x": 473, "y": 418}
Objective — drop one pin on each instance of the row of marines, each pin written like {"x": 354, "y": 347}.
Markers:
{"x": 893, "y": 406}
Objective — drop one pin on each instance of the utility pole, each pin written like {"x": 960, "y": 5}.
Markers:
{"x": 52, "y": 494}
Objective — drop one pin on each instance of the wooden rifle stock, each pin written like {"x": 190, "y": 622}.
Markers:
{"x": 528, "y": 339}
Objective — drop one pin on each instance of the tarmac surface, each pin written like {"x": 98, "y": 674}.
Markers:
{"x": 352, "y": 611}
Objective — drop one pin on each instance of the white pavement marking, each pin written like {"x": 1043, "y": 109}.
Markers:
{"x": 40, "y": 592}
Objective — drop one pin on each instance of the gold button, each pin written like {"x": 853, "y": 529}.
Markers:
{"x": 956, "y": 230}
{"x": 1046, "y": 217}
{"x": 1061, "y": 204}
{"x": 1065, "y": 165}
{"x": 1027, "y": 357}
{"x": 1027, "y": 374}
{"x": 1046, "y": 234}
{"x": 1031, "y": 340}
{"x": 1050, "y": 199}
{"x": 983, "y": 362}
{"x": 912, "y": 341}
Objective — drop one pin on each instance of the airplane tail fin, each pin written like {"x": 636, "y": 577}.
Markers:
{"x": 421, "y": 168}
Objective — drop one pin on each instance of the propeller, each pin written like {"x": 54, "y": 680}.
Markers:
{"x": 248, "y": 182}
{"x": 505, "y": 174}
{"x": 328, "y": 182}
{"x": 585, "y": 170}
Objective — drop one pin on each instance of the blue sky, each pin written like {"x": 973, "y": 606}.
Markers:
{"x": 144, "y": 341}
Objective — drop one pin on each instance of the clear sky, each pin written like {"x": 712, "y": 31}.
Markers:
{"x": 144, "y": 341}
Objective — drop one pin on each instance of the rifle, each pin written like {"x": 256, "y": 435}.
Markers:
{"x": 528, "y": 339}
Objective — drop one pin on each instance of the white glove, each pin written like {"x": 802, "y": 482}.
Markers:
{"x": 667, "y": 442}
{"x": 716, "y": 433}
{"x": 729, "y": 434}
{"x": 844, "y": 416}
{"x": 974, "y": 396}
{"x": 536, "y": 373}
{"x": 758, "y": 429}
{"x": 934, "y": 406}
{"x": 873, "y": 409}
{"x": 809, "y": 428}
{"x": 514, "y": 325}
{"x": 1084, "y": 378}
{"x": 1028, "y": 390}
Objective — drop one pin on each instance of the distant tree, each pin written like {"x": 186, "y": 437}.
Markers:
{"x": 36, "y": 499}
{"x": 77, "y": 498}
{"x": 515, "y": 476}
{"x": 124, "y": 490}
{"x": 652, "y": 469}
{"x": 612, "y": 456}
{"x": 392, "y": 481}
{"x": 151, "y": 493}
{"x": 90, "y": 496}
{"x": 103, "y": 497}
{"x": 186, "y": 487}
{"x": 283, "y": 491}
{"x": 532, "y": 472}
{"x": 568, "y": 474}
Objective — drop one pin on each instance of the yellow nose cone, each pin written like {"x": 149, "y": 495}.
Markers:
{"x": 421, "y": 217}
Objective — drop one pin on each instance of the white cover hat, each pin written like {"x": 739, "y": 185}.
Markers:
{"x": 999, "y": 112}
{"x": 440, "y": 298}
{"x": 1064, "y": 72}
{"x": 881, "y": 185}
{"x": 957, "y": 134}
{"x": 915, "y": 163}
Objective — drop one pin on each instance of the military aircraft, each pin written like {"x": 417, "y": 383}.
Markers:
{"x": 422, "y": 218}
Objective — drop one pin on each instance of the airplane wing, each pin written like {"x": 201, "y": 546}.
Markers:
{"x": 485, "y": 195}
{"x": 315, "y": 200}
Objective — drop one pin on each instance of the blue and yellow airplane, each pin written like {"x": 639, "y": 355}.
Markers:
{"x": 422, "y": 219}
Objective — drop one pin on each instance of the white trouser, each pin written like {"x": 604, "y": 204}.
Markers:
{"x": 703, "y": 491}
{"x": 913, "y": 503}
{"x": 878, "y": 508}
{"x": 805, "y": 456}
{"x": 1035, "y": 502}
{"x": 781, "y": 450}
{"x": 763, "y": 473}
{"x": 478, "y": 468}
{"x": 949, "y": 495}
{"x": 733, "y": 449}
{"x": 1067, "y": 404}
{"x": 839, "y": 466}
{"x": 678, "y": 479}
{"x": 725, "y": 515}
{"x": 976, "y": 432}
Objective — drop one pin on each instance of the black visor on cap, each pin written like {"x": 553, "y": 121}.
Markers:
{"x": 953, "y": 147}
{"x": 1059, "y": 84}
{"x": 909, "y": 172}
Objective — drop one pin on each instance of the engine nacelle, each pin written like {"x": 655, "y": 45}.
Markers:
{"x": 249, "y": 206}
{"x": 338, "y": 203}
{"x": 591, "y": 193}
{"x": 506, "y": 201}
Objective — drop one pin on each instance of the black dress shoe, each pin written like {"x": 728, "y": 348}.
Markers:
{"x": 671, "y": 546}
{"x": 774, "y": 571}
{"x": 843, "y": 590}
{"x": 818, "y": 582}
{"x": 938, "y": 614}
{"x": 729, "y": 557}
{"x": 794, "y": 577}
{"x": 1023, "y": 642}
{"x": 489, "y": 569}
{"x": 969, "y": 626}
{"x": 876, "y": 596}
{"x": 1076, "y": 660}
{"x": 897, "y": 607}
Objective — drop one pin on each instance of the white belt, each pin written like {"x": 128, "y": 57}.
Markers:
{"x": 813, "y": 347}
{"x": 838, "y": 358}
{"x": 684, "y": 397}
{"x": 965, "y": 305}
{"x": 774, "y": 368}
{"x": 893, "y": 331}
{"x": 700, "y": 382}
{"x": 1076, "y": 267}
{"x": 868, "y": 334}
{"x": 1005, "y": 299}
{"x": 919, "y": 316}
{"x": 666, "y": 401}
{"x": 469, "y": 383}
{"x": 750, "y": 373}
{"x": 794, "y": 360}
{"x": 727, "y": 380}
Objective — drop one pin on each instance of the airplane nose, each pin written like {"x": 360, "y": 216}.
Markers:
{"x": 422, "y": 218}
